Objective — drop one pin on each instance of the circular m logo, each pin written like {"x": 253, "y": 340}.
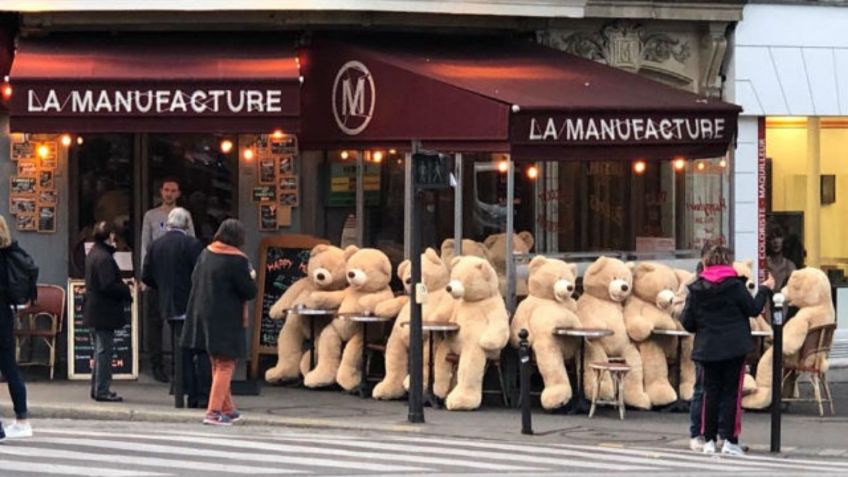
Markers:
{"x": 353, "y": 98}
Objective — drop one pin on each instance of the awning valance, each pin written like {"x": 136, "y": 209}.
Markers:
{"x": 228, "y": 83}
{"x": 532, "y": 101}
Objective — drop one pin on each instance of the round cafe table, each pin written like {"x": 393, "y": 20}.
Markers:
{"x": 366, "y": 320}
{"x": 680, "y": 405}
{"x": 581, "y": 404}
{"x": 310, "y": 314}
{"x": 432, "y": 327}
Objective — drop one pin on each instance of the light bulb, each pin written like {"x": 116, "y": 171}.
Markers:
{"x": 43, "y": 151}
{"x": 679, "y": 164}
{"x": 248, "y": 154}
{"x": 66, "y": 140}
{"x": 639, "y": 167}
{"x": 532, "y": 172}
{"x": 503, "y": 166}
{"x": 344, "y": 155}
{"x": 377, "y": 156}
{"x": 226, "y": 146}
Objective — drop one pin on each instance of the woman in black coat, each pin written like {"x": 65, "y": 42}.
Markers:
{"x": 717, "y": 310}
{"x": 106, "y": 298}
{"x": 216, "y": 318}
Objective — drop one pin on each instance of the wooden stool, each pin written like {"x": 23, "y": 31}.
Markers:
{"x": 617, "y": 371}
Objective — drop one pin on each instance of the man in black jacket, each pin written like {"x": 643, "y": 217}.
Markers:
{"x": 167, "y": 268}
{"x": 106, "y": 297}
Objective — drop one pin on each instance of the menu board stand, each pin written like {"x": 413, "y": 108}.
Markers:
{"x": 282, "y": 261}
{"x": 81, "y": 346}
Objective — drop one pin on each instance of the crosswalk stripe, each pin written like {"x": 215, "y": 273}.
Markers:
{"x": 747, "y": 462}
{"x": 40, "y": 469}
{"x": 843, "y": 464}
{"x": 257, "y": 445}
{"x": 40, "y": 452}
{"x": 241, "y": 456}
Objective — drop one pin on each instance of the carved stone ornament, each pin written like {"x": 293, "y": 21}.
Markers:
{"x": 625, "y": 44}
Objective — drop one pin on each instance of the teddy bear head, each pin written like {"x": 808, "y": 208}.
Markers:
{"x": 807, "y": 287}
{"x": 472, "y": 279}
{"x": 551, "y": 279}
{"x": 745, "y": 268}
{"x": 469, "y": 247}
{"x": 496, "y": 246}
{"x": 367, "y": 270}
{"x": 608, "y": 279}
{"x": 326, "y": 267}
{"x": 434, "y": 272}
{"x": 655, "y": 283}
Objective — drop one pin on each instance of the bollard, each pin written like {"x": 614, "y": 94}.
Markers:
{"x": 777, "y": 315}
{"x": 524, "y": 370}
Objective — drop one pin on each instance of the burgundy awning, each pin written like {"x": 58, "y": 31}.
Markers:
{"x": 472, "y": 95}
{"x": 226, "y": 83}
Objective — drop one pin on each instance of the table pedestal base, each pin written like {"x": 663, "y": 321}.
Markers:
{"x": 577, "y": 405}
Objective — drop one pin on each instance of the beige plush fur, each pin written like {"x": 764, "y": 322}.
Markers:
{"x": 496, "y": 246}
{"x": 649, "y": 308}
{"x": 435, "y": 276}
{"x": 809, "y": 290}
{"x": 606, "y": 284}
{"x": 549, "y": 305}
{"x": 745, "y": 269}
{"x": 483, "y": 323}
{"x": 368, "y": 272}
{"x": 469, "y": 247}
{"x": 687, "y": 384}
{"x": 324, "y": 271}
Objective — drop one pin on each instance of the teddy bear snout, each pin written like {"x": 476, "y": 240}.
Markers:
{"x": 751, "y": 285}
{"x": 619, "y": 289}
{"x": 356, "y": 277}
{"x": 321, "y": 275}
{"x": 563, "y": 289}
{"x": 456, "y": 289}
{"x": 665, "y": 299}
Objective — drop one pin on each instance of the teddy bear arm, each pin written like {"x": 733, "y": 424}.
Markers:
{"x": 496, "y": 335}
{"x": 637, "y": 322}
{"x": 289, "y": 299}
{"x": 794, "y": 333}
{"x": 326, "y": 300}
{"x": 369, "y": 302}
{"x": 391, "y": 308}
{"x": 443, "y": 312}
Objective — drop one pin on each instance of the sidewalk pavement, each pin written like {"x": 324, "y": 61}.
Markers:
{"x": 804, "y": 432}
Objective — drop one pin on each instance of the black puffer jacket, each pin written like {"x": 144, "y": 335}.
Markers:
{"x": 106, "y": 294}
{"x": 718, "y": 313}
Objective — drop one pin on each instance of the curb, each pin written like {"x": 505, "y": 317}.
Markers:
{"x": 193, "y": 416}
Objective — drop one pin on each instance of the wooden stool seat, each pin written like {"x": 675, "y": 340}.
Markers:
{"x": 617, "y": 371}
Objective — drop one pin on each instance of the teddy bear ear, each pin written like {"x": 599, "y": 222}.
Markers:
{"x": 432, "y": 256}
{"x": 448, "y": 245}
{"x": 537, "y": 261}
{"x": 573, "y": 268}
{"x": 320, "y": 248}
{"x": 490, "y": 241}
{"x": 485, "y": 269}
{"x": 349, "y": 251}
{"x": 645, "y": 267}
{"x": 401, "y": 270}
{"x": 631, "y": 265}
{"x": 527, "y": 238}
{"x": 455, "y": 261}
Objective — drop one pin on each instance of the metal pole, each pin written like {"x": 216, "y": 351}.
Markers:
{"x": 524, "y": 369}
{"x": 778, "y": 313}
{"x": 510, "y": 231}
{"x": 457, "y": 206}
{"x": 416, "y": 353}
{"x": 360, "y": 198}
{"x": 407, "y": 205}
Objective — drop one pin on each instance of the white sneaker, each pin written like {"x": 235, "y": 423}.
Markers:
{"x": 709, "y": 447}
{"x": 697, "y": 443}
{"x": 18, "y": 430}
{"x": 730, "y": 448}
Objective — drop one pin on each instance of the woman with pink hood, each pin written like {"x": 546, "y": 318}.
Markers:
{"x": 717, "y": 311}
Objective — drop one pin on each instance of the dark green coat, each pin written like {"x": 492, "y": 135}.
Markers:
{"x": 220, "y": 287}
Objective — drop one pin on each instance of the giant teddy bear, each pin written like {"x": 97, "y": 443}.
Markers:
{"x": 687, "y": 384}
{"x": 607, "y": 283}
{"x": 745, "y": 269}
{"x": 483, "y": 332}
{"x": 648, "y": 308}
{"x": 549, "y": 306}
{"x": 496, "y": 248}
{"x": 809, "y": 290}
{"x": 435, "y": 276}
{"x": 324, "y": 271}
{"x": 368, "y": 273}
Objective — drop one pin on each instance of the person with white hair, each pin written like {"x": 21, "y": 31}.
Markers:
{"x": 167, "y": 268}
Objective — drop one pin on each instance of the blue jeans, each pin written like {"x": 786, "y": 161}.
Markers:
{"x": 8, "y": 365}
{"x": 697, "y": 403}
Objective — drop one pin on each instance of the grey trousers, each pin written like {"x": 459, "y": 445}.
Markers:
{"x": 101, "y": 374}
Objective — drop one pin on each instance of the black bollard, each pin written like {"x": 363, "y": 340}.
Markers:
{"x": 524, "y": 367}
{"x": 777, "y": 315}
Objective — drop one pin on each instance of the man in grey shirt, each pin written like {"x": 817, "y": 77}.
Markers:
{"x": 153, "y": 227}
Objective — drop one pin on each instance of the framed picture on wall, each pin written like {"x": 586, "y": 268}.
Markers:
{"x": 286, "y": 164}
{"x": 26, "y": 222}
{"x": 267, "y": 171}
{"x": 45, "y": 180}
{"x": 21, "y": 205}
{"x": 22, "y": 151}
{"x": 27, "y": 168}
{"x": 47, "y": 197}
{"x": 22, "y": 185}
{"x": 283, "y": 145}
{"x": 288, "y": 198}
{"x": 48, "y": 163}
{"x": 267, "y": 216}
{"x": 47, "y": 219}
{"x": 288, "y": 183}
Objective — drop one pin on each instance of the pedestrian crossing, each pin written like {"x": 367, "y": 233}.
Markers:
{"x": 124, "y": 450}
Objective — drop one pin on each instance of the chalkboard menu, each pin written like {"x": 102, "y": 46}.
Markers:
{"x": 283, "y": 261}
{"x": 81, "y": 346}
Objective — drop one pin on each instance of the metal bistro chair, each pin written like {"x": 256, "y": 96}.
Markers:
{"x": 41, "y": 321}
{"x": 813, "y": 352}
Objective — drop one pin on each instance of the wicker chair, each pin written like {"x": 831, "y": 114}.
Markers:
{"x": 43, "y": 321}
{"x": 812, "y": 354}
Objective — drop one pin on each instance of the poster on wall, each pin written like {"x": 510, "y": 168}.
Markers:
{"x": 26, "y": 222}
{"x": 22, "y": 151}
{"x": 285, "y": 165}
{"x": 22, "y": 205}
{"x": 267, "y": 170}
{"x": 47, "y": 197}
{"x": 262, "y": 193}
{"x": 45, "y": 180}
{"x": 47, "y": 219}
{"x": 22, "y": 185}
{"x": 283, "y": 144}
{"x": 267, "y": 216}
{"x": 27, "y": 168}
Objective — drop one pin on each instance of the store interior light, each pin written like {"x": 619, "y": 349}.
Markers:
{"x": 639, "y": 167}
{"x": 79, "y": 140}
{"x": 679, "y": 164}
{"x": 7, "y": 91}
{"x": 66, "y": 140}
{"x": 226, "y": 146}
{"x": 248, "y": 154}
{"x": 392, "y": 151}
{"x": 377, "y": 156}
{"x": 43, "y": 151}
{"x": 278, "y": 134}
{"x": 701, "y": 166}
{"x": 344, "y": 155}
{"x": 503, "y": 166}
{"x": 532, "y": 172}
{"x": 722, "y": 163}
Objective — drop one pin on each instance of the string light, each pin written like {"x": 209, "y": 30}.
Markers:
{"x": 7, "y": 91}
{"x": 532, "y": 172}
{"x": 503, "y": 166}
{"x": 679, "y": 164}
{"x": 639, "y": 167}
{"x": 43, "y": 151}
{"x": 248, "y": 154}
{"x": 392, "y": 151}
{"x": 79, "y": 141}
{"x": 278, "y": 134}
{"x": 377, "y": 156}
{"x": 722, "y": 163}
{"x": 66, "y": 140}
{"x": 701, "y": 166}
{"x": 344, "y": 155}
{"x": 226, "y": 146}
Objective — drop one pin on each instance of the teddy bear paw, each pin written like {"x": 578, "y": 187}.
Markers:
{"x": 280, "y": 374}
{"x": 556, "y": 396}
{"x": 384, "y": 390}
{"x": 759, "y": 399}
{"x": 639, "y": 400}
{"x": 462, "y": 401}
{"x": 406, "y": 383}
{"x": 348, "y": 381}
{"x": 749, "y": 385}
{"x": 661, "y": 394}
{"x": 317, "y": 380}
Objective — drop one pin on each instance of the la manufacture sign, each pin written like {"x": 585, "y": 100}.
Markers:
{"x": 155, "y": 101}
{"x": 627, "y": 129}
